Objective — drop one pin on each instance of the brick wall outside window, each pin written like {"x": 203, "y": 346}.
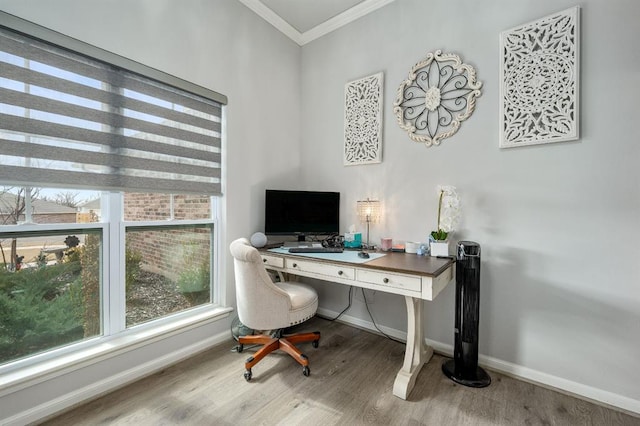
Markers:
{"x": 167, "y": 252}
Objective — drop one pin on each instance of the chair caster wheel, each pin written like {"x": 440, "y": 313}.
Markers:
{"x": 240, "y": 348}
{"x": 315, "y": 343}
{"x": 306, "y": 371}
{"x": 247, "y": 375}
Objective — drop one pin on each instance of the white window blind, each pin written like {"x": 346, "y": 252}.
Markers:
{"x": 73, "y": 115}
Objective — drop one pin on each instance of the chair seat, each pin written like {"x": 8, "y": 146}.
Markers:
{"x": 304, "y": 301}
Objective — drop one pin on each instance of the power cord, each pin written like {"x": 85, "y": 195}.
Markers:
{"x": 235, "y": 348}
{"x": 334, "y": 240}
{"x": 366, "y": 303}
{"x": 344, "y": 310}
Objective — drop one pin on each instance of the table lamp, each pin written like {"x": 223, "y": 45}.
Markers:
{"x": 369, "y": 212}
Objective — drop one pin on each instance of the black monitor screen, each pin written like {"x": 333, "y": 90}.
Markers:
{"x": 301, "y": 212}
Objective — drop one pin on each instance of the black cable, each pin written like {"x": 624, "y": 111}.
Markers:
{"x": 333, "y": 240}
{"x": 344, "y": 310}
{"x": 235, "y": 348}
{"x": 374, "y": 322}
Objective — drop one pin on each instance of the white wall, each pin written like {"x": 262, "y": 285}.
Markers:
{"x": 558, "y": 223}
{"x": 220, "y": 45}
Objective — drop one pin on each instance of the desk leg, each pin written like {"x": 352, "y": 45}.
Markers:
{"x": 417, "y": 353}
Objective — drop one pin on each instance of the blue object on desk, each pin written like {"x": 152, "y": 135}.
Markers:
{"x": 352, "y": 239}
{"x": 345, "y": 256}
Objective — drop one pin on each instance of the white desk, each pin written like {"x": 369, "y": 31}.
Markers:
{"x": 414, "y": 277}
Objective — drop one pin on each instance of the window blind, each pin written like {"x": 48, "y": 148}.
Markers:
{"x": 73, "y": 115}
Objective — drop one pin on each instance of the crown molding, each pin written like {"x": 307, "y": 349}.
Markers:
{"x": 320, "y": 30}
{"x": 274, "y": 19}
{"x": 343, "y": 19}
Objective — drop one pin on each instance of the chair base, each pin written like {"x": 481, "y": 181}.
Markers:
{"x": 286, "y": 343}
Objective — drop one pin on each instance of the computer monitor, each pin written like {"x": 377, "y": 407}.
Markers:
{"x": 301, "y": 213}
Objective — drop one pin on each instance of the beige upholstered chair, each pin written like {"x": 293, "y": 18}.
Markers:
{"x": 265, "y": 305}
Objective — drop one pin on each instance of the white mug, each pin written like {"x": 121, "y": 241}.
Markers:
{"x": 411, "y": 247}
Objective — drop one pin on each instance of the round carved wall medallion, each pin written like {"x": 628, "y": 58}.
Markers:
{"x": 439, "y": 94}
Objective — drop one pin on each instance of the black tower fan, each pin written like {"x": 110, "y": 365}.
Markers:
{"x": 463, "y": 368}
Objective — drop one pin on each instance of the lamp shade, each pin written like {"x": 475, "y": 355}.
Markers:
{"x": 369, "y": 211}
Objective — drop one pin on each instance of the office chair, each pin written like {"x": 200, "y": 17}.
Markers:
{"x": 265, "y": 305}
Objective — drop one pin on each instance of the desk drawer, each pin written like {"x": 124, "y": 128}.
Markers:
{"x": 404, "y": 282}
{"x": 329, "y": 271}
{"x": 273, "y": 261}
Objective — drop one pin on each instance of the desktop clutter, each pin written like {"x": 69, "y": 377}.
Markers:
{"x": 351, "y": 241}
{"x": 301, "y": 214}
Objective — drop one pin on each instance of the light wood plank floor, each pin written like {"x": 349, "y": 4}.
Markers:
{"x": 352, "y": 374}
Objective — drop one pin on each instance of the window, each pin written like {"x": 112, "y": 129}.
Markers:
{"x": 51, "y": 295}
{"x": 168, "y": 267}
{"x": 108, "y": 192}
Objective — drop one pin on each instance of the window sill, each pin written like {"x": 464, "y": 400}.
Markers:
{"x": 105, "y": 348}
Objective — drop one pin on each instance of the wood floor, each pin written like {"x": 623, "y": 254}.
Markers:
{"x": 352, "y": 374}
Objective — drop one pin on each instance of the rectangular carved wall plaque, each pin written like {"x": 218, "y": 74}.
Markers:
{"x": 539, "y": 73}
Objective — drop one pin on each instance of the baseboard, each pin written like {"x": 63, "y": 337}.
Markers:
{"x": 109, "y": 384}
{"x": 579, "y": 390}
{"x": 365, "y": 325}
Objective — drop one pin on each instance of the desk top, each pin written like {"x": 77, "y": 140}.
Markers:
{"x": 411, "y": 263}
{"x": 391, "y": 261}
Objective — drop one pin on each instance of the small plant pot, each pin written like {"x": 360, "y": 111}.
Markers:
{"x": 439, "y": 248}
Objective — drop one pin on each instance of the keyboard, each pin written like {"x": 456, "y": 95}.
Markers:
{"x": 315, "y": 250}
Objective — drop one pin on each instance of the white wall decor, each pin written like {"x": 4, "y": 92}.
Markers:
{"x": 539, "y": 81}
{"x": 363, "y": 120}
{"x": 439, "y": 94}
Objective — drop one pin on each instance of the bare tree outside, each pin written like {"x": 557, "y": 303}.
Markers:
{"x": 64, "y": 198}
{"x": 13, "y": 204}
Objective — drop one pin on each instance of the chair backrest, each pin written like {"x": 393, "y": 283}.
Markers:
{"x": 261, "y": 304}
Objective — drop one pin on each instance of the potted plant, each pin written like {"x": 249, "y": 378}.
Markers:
{"x": 448, "y": 216}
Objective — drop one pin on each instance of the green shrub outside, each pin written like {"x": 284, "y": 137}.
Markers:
{"x": 39, "y": 309}
{"x": 52, "y": 305}
{"x": 133, "y": 258}
{"x": 90, "y": 290}
{"x": 194, "y": 280}
{"x": 194, "y": 284}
